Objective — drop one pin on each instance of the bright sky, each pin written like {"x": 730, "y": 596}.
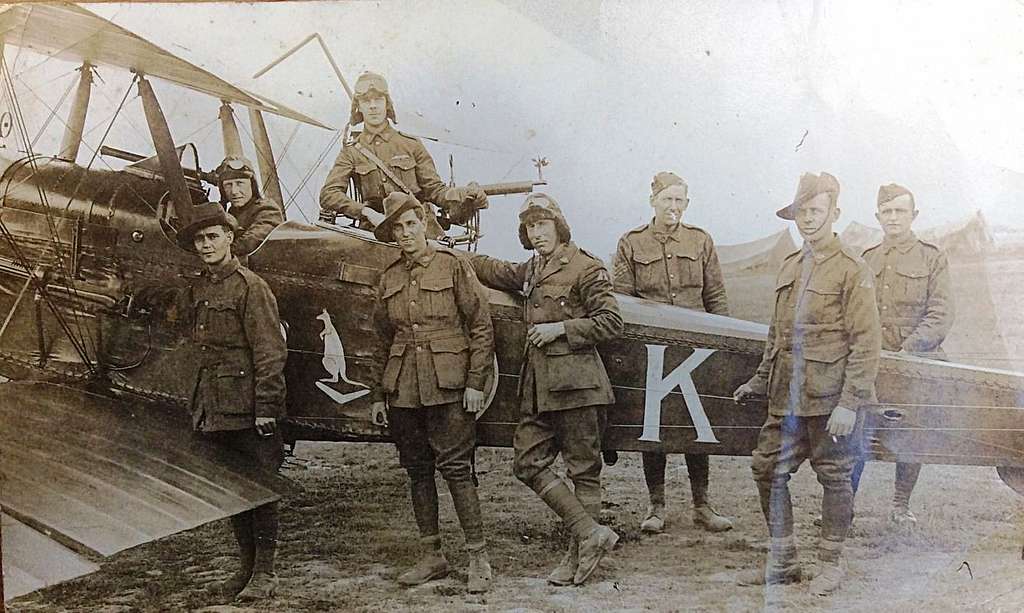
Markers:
{"x": 722, "y": 93}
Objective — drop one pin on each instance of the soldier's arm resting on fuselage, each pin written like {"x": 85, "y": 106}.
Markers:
{"x": 939, "y": 311}
{"x": 864, "y": 336}
{"x": 499, "y": 274}
{"x": 269, "y": 351}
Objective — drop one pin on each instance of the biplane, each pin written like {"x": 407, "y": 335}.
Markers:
{"x": 95, "y": 450}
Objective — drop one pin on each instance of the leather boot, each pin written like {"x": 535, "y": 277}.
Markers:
{"x": 781, "y": 566}
{"x": 263, "y": 583}
{"x": 600, "y": 541}
{"x": 831, "y": 568}
{"x": 242, "y": 526}
{"x": 480, "y": 575}
{"x": 431, "y": 565}
{"x": 654, "y": 522}
{"x": 709, "y": 519}
{"x": 565, "y": 572}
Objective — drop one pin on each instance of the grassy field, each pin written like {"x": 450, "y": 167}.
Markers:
{"x": 348, "y": 531}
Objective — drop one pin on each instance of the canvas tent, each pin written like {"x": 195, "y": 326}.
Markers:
{"x": 756, "y": 256}
{"x": 967, "y": 237}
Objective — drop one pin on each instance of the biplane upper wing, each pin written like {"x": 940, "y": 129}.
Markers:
{"x": 86, "y": 475}
{"x": 70, "y": 32}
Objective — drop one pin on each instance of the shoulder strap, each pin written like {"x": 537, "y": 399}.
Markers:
{"x": 383, "y": 168}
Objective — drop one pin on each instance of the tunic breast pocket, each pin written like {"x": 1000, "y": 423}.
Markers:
{"x": 439, "y": 294}
{"x": 911, "y": 285}
{"x": 404, "y": 167}
{"x": 823, "y": 304}
{"x": 391, "y": 296}
{"x": 649, "y": 271}
{"x": 559, "y": 303}
{"x": 687, "y": 274}
{"x": 368, "y": 180}
{"x": 222, "y": 321}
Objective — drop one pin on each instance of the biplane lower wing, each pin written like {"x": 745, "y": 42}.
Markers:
{"x": 86, "y": 476}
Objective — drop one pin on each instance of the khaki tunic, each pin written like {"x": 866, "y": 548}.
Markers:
{"x": 405, "y": 155}
{"x": 256, "y": 220}
{"x": 573, "y": 287}
{"x": 240, "y": 351}
{"x": 435, "y": 322}
{"x": 914, "y": 301}
{"x": 679, "y": 268}
{"x": 824, "y": 339}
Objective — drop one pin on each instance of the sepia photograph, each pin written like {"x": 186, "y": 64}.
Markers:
{"x": 511, "y": 305}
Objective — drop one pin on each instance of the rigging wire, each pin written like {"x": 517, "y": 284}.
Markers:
{"x": 53, "y": 114}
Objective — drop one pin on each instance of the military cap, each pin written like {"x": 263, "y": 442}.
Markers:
{"x": 811, "y": 185}
{"x": 395, "y": 204}
{"x": 664, "y": 180}
{"x": 203, "y": 216}
{"x": 891, "y": 192}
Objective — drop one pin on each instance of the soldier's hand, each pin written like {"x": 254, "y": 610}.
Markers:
{"x": 542, "y": 334}
{"x": 842, "y": 421}
{"x": 473, "y": 400}
{"x": 379, "y": 414}
{"x": 744, "y": 394}
{"x": 265, "y": 426}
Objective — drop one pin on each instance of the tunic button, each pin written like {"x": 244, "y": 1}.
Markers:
{"x": 536, "y": 306}
{"x": 673, "y": 294}
{"x": 415, "y": 326}
{"x": 206, "y": 303}
{"x": 670, "y": 256}
{"x": 885, "y": 308}
{"x": 202, "y": 327}
{"x": 202, "y": 347}
{"x": 885, "y": 287}
{"x": 412, "y": 303}
{"x": 419, "y": 348}
{"x": 414, "y": 282}
{"x": 671, "y": 276}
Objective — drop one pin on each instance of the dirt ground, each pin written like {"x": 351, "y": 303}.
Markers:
{"x": 348, "y": 530}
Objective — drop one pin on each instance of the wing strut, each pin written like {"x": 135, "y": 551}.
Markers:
{"x": 265, "y": 158}
{"x": 174, "y": 176}
{"x": 76, "y": 118}
{"x": 229, "y": 131}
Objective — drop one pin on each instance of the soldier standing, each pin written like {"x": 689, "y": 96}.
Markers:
{"x": 914, "y": 304}
{"x": 438, "y": 350}
{"x": 239, "y": 391}
{"x": 256, "y": 216}
{"x": 383, "y": 160}
{"x": 564, "y": 389}
{"x": 675, "y": 263}
{"x": 818, "y": 371}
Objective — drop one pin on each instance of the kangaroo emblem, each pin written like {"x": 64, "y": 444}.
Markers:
{"x": 334, "y": 363}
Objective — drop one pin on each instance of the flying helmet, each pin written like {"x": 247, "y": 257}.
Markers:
{"x": 236, "y": 167}
{"x": 542, "y": 206}
{"x": 366, "y": 83}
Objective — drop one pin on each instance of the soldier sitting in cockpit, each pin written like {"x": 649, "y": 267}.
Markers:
{"x": 240, "y": 194}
